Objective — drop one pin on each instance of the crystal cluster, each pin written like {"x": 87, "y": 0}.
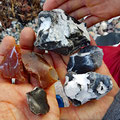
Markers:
{"x": 86, "y": 60}
{"x": 81, "y": 88}
{"x": 60, "y": 33}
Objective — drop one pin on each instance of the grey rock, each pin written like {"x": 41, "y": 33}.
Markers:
{"x": 37, "y": 101}
{"x": 60, "y": 33}
{"x": 86, "y": 60}
{"x": 81, "y": 88}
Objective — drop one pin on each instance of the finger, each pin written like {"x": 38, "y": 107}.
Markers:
{"x": 65, "y": 59}
{"x": 72, "y": 5}
{"x": 48, "y": 58}
{"x": 92, "y": 20}
{"x": 80, "y": 13}
{"x": 59, "y": 66}
{"x": 52, "y": 4}
{"x": 37, "y": 50}
{"x": 27, "y": 38}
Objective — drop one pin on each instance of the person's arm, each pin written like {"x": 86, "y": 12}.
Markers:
{"x": 113, "y": 112}
{"x": 97, "y": 10}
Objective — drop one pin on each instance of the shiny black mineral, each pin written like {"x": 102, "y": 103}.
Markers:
{"x": 86, "y": 60}
{"x": 37, "y": 101}
{"x": 60, "y": 33}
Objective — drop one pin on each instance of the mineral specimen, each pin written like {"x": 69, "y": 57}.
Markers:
{"x": 60, "y": 33}
{"x": 86, "y": 60}
{"x": 12, "y": 66}
{"x": 38, "y": 68}
{"x": 80, "y": 88}
{"x": 37, "y": 101}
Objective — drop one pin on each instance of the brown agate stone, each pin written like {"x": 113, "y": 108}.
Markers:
{"x": 38, "y": 68}
{"x": 12, "y": 66}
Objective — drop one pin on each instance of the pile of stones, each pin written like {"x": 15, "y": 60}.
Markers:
{"x": 105, "y": 27}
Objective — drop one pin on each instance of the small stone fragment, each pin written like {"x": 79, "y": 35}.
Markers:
{"x": 60, "y": 33}
{"x": 37, "y": 101}
{"x": 86, "y": 60}
{"x": 12, "y": 66}
{"x": 81, "y": 88}
{"x": 39, "y": 69}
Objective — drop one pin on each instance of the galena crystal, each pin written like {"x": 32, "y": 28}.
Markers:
{"x": 37, "y": 101}
{"x": 86, "y": 60}
{"x": 60, "y": 33}
{"x": 81, "y": 88}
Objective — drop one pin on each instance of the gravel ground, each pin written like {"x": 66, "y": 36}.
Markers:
{"x": 105, "y": 27}
{"x": 17, "y": 14}
{"x": 100, "y": 29}
{"x": 15, "y": 29}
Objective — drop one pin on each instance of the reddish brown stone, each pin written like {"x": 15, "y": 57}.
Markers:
{"x": 12, "y": 66}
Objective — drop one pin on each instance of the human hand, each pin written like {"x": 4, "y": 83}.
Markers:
{"x": 13, "y": 100}
{"x": 96, "y": 10}
{"x": 92, "y": 110}
{"x": 13, "y": 103}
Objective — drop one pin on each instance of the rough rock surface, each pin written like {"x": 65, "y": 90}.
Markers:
{"x": 81, "y": 88}
{"x": 37, "y": 101}
{"x": 86, "y": 60}
{"x": 60, "y": 33}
